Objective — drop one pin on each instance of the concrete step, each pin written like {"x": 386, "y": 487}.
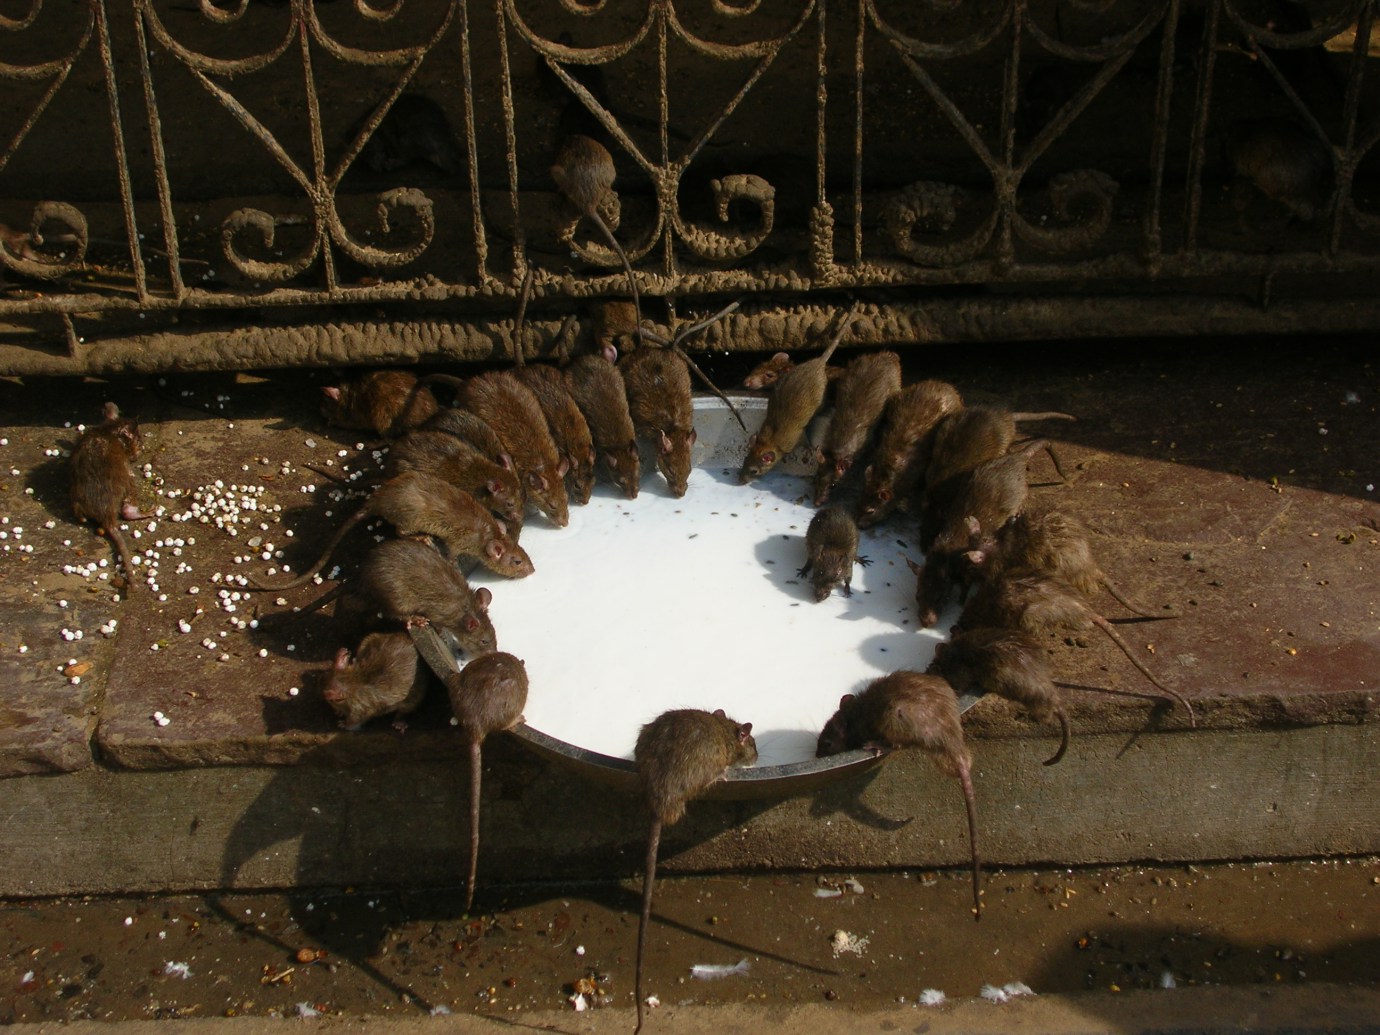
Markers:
{"x": 1234, "y": 484}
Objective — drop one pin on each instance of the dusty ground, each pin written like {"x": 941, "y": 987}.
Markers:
{"x": 373, "y": 952}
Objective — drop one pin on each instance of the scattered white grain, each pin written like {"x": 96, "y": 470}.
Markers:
{"x": 932, "y": 997}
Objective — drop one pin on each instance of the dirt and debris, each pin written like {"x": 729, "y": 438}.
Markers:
{"x": 366, "y": 952}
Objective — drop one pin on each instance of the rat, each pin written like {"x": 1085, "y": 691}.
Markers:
{"x": 408, "y": 581}
{"x": 458, "y": 462}
{"x": 415, "y": 503}
{"x": 1009, "y": 663}
{"x": 584, "y": 173}
{"x": 1039, "y": 603}
{"x": 1046, "y": 542}
{"x": 680, "y": 754}
{"x": 764, "y": 375}
{"x": 831, "y": 548}
{"x": 1285, "y": 162}
{"x": 102, "y": 481}
{"x": 792, "y": 405}
{"x": 487, "y": 696}
{"x": 512, "y": 411}
{"x": 381, "y": 677}
{"x": 414, "y": 131}
{"x": 569, "y": 429}
{"x": 601, "y": 395}
{"x": 867, "y": 385}
{"x": 901, "y": 455}
{"x": 386, "y": 402}
{"x": 909, "y": 709}
{"x": 657, "y": 384}
{"x": 959, "y": 511}
{"x": 469, "y": 428}
{"x": 974, "y": 434}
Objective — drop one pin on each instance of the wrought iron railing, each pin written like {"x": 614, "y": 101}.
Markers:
{"x": 174, "y": 170}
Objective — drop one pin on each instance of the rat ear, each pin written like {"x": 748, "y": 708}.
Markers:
{"x": 609, "y": 353}
{"x": 110, "y": 411}
{"x": 819, "y": 455}
{"x": 331, "y": 392}
{"x": 744, "y": 732}
{"x": 342, "y": 658}
{"x": 769, "y": 457}
{"x": 612, "y": 459}
{"x": 781, "y": 357}
{"x": 884, "y": 495}
{"x": 973, "y": 525}
{"x": 665, "y": 444}
{"x": 720, "y": 714}
{"x": 693, "y": 437}
{"x": 565, "y": 466}
{"x": 752, "y": 440}
{"x": 916, "y": 569}
{"x": 493, "y": 549}
{"x": 470, "y": 623}
{"x": 845, "y": 700}
{"x": 976, "y": 557}
{"x": 484, "y": 597}
{"x": 506, "y": 461}
{"x": 536, "y": 480}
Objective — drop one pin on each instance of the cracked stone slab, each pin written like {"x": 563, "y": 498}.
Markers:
{"x": 1208, "y": 487}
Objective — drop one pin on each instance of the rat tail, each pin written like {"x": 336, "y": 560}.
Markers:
{"x": 1058, "y": 756}
{"x": 648, "y": 880}
{"x": 122, "y": 553}
{"x": 1106, "y": 627}
{"x": 965, "y": 777}
{"x": 476, "y": 775}
{"x": 520, "y": 320}
{"x": 320, "y": 562}
{"x": 1130, "y": 605}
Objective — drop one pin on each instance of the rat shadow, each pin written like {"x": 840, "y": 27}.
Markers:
{"x": 845, "y": 797}
{"x": 904, "y": 649}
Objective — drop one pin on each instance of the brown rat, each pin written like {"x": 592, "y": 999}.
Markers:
{"x": 1038, "y": 604}
{"x": 867, "y": 385}
{"x": 600, "y": 393}
{"x": 386, "y": 402}
{"x": 975, "y": 434}
{"x": 102, "y": 481}
{"x": 584, "y": 173}
{"x": 909, "y": 709}
{"x": 831, "y": 548}
{"x": 405, "y": 580}
{"x": 764, "y": 375}
{"x": 381, "y": 677}
{"x": 1009, "y": 663}
{"x": 467, "y": 427}
{"x": 1046, "y": 542}
{"x": 508, "y": 406}
{"x": 679, "y": 755}
{"x": 415, "y": 504}
{"x": 569, "y": 429}
{"x": 657, "y": 384}
{"x": 487, "y": 696}
{"x": 959, "y": 511}
{"x": 897, "y": 465}
{"x": 458, "y": 462}
{"x": 792, "y": 405}
{"x": 1284, "y": 161}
